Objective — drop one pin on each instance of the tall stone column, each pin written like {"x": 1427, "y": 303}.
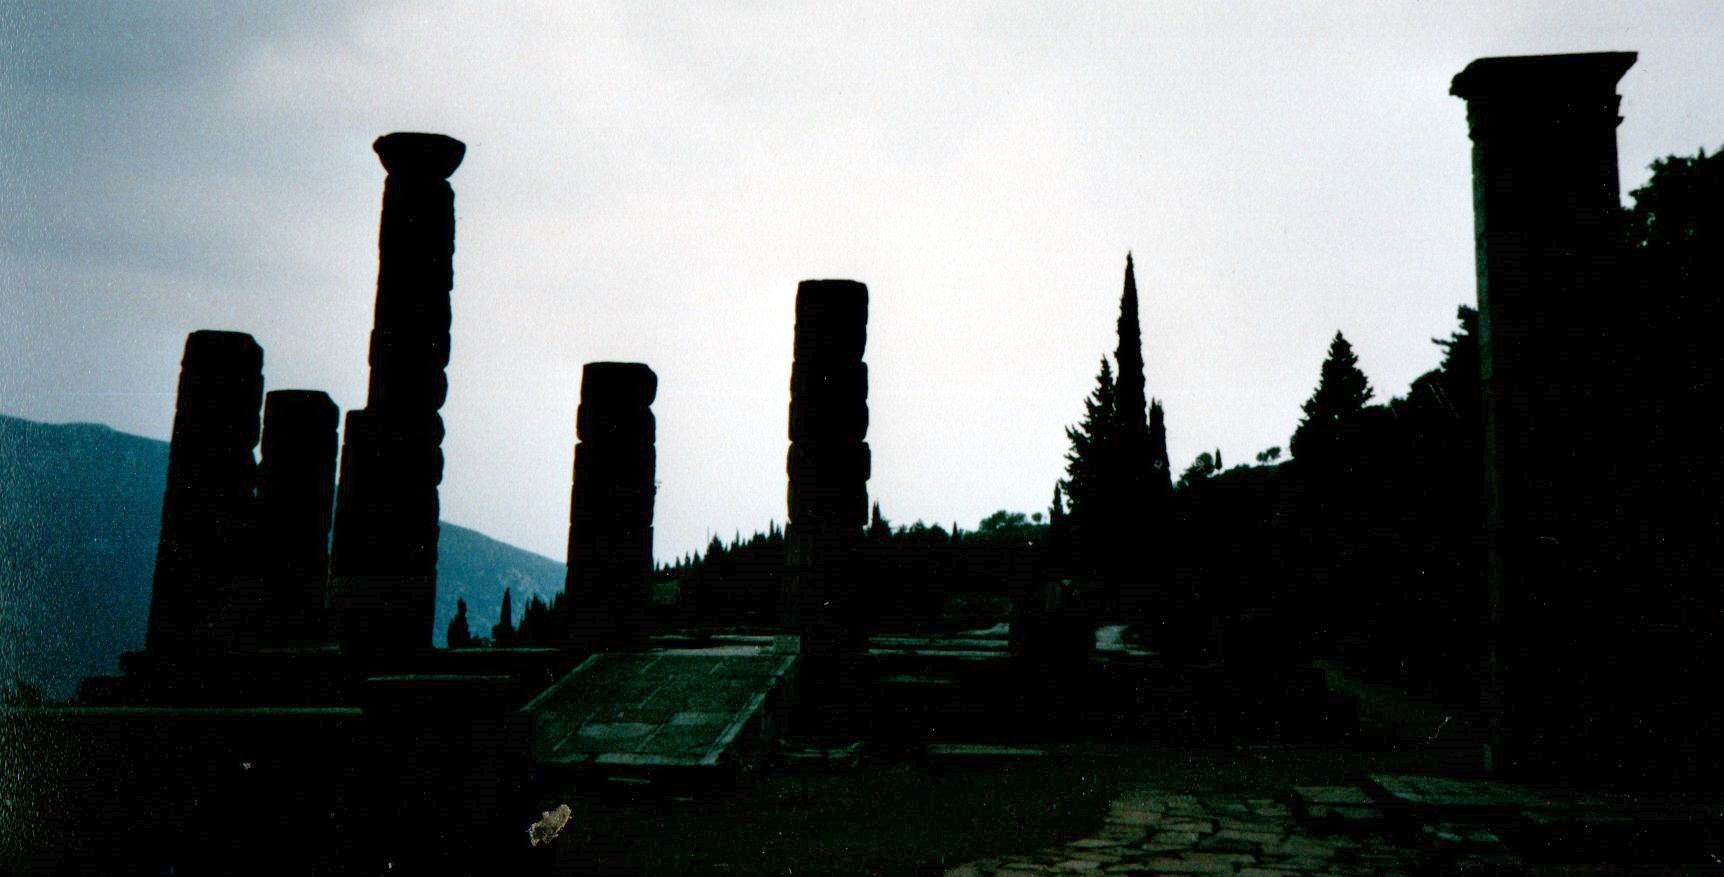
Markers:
{"x": 296, "y": 500}
{"x": 1545, "y": 198}
{"x": 203, "y": 559}
{"x": 828, "y": 468}
{"x": 611, "y": 507}
{"x": 384, "y": 568}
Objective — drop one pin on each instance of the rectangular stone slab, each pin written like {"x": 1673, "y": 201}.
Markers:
{"x": 652, "y": 709}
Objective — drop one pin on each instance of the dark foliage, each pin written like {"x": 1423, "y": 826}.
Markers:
{"x": 503, "y": 632}
{"x": 1332, "y": 414}
{"x": 1370, "y": 545}
{"x": 1117, "y": 481}
{"x": 910, "y": 576}
{"x": 1090, "y": 462}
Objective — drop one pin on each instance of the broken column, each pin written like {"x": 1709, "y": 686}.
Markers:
{"x": 384, "y": 564}
{"x": 296, "y": 499}
{"x": 611, "y": 507}
{"x": 203, "y": 558}
{"x": 828, "y": 470}
{"x": 1545, "y": 198}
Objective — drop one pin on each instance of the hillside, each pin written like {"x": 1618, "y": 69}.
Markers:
{"x": 80, "y": 511}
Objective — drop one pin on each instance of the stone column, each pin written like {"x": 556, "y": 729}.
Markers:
{"x": 296, "y": 497}
{"x": 611, "y": 506}
{"x": 828, "y": 470}
{"x": 203, "y": 559}
{"x": 1545, "y": 197}
{"x": 384, "y": 568}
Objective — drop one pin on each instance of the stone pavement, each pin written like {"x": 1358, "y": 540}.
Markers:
{"x": 1149, "y": 831}
{"x": 1388, "y": 825}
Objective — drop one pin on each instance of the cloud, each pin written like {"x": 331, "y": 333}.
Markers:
{"x": 649, "y": 181}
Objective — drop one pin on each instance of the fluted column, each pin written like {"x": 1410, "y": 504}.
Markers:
{"x": 384, "y": 569}
{"x": 611, "y": 506}
{"x": 204, "y": 564}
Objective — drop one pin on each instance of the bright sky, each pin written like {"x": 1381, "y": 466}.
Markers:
{"x": 649, "y": 182}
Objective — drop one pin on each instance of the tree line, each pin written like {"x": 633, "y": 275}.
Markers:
{"x": 1364, "y": 541}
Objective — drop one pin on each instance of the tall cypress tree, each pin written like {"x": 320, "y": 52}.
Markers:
{"x": 1138, "y": 504}
{"x": 1129, "y": 392}
{"x": 457, "y": 634}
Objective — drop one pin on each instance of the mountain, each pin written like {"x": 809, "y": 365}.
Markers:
{"x": 80, "y": 512}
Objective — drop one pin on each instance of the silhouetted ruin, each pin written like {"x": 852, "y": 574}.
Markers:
{"x": 611, "y": 506}
{"x": 205, "y": 568}
{"x": 828, "y": 465}
{"x": 384, "y": 566}
{"x": 1253, "y": 607}
{"x": 296, "y": 500}
{"x": 1545, "y": 192}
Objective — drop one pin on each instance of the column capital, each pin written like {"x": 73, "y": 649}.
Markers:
{"x": 1541, "y": 75}
{"x": 420, "y": 154}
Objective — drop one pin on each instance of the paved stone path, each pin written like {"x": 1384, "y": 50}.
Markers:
{"x": 1386, "y": 824}
{"x": 1149, "y": 831}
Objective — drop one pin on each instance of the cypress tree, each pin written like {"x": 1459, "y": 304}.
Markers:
{"x": 533, "y": 627}
{"x": 877, "y": 526}
{"x": 458, "y": 636}
{"x": 1332, "y": 414}
{"x": 1091, "y": 484}
{"x": 1058, "y": 552}
{"x": 1160, "y": 470}
{"x": 504, "y": 633}
{"x": 1129, "y": 387}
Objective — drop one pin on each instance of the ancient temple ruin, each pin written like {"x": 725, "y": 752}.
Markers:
{"x": 268, "y": 636}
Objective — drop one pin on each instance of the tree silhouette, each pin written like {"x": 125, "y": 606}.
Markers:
{"x": 459, "y": 636}
{"x": 534, "y": 622}
{"x": 1332, "y": 414}
{"x": 1160, "y": 469}
{"x": 1004, "y": 526}
{"x": 1058, "y": 555}
{"x": 1091, "y": 483}
{"x": 503, "y": 634}
{"x": 878, "y": 528}
{"x": 1129, "y": 386}
{"x": 1202, "y": 467}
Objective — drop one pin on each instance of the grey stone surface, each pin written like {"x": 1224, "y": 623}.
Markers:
{"x": 654, "y": 710}
{"x": 1155, "y": 831}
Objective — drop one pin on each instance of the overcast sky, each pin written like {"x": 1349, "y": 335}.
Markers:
{"x": 648, "y": 183}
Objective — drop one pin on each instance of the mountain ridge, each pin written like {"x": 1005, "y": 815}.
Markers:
{"x": 80, "y": 515}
